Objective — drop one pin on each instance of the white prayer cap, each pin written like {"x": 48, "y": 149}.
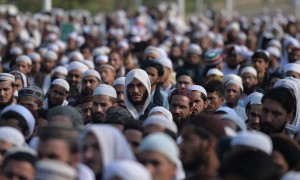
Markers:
{"x": 162, "y": 143}
{"x": 242, "y": 36}
{"x": 119, "y": 81}
{"x": 291, "y": 67}
{"x": 61, "y": 45}
{"x": 257, "y": 140}
{"x": 28, "y": 45}
{"x": 15, "y": 51}
{"x": 24, "y": 112}
{"x": 98, "y": 51}
{"x": 233, "y": 26}
{"x": 76, "y": 56}
{"x": 275, "y": 42}
{"x": 92, "y": 72}
{"x": 135, "y": 39}
{"x": 53, "y": 47}
{"x": 194, "y": 48}
{"x": 123, "y": 44}
{"x": 61, "y": 69}
{"x": 162, "y": 121}
{"x": 126, "y": 170}
{"x": 274, "y": 51}
{"x": 102, "y": 59}
{"x": 53, "y": 169}
{"x": 12, "y": 135}
{"x": 165, "y": 62}
{"x": 72, "y": 35}
{"x": 214, "y": 71}
{"x": 291, "y": 175}
{"x": 34, "y": 56}
{"x": 250, "y": 70}
{"x": 50, "y": 55}
{"x": 107, "y": 66}
{"x": 233, "y": 79}
{"x": 62, "y": 82}
{"x": 198, "y": 88}
{"x": 236, "y": 120}
{"x": 105, "y": 90}
{"x": 227, "y": 110}
{"x": 51, "y": 37}
{"x": 151, "y": 49}
{"x": 89, "y": 64}
{"x": 161, "y": 109}
{"x": 7, "y": 77}
{"x": 75, "y": 65}
{"x": 253, "y": 98}
{"x": 24, "y": 58}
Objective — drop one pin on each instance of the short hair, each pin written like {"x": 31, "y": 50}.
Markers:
{"x": 20, "y": 156}
{"x": 215, "y": 86}
{"x": 276, "y": 75}
{"x": 283, "y": 96}
{"x": 260, "y": 54}
{"x": 134, "y": 125}
{"x": 21, "y": 120}
{"x": 69, "y": 135}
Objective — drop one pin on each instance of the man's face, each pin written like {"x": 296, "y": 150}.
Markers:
{"x": 100, "y": 104}
{"x": 6, "y": 92}
{"x": 18, "y": 170}
{"x": 214, "y": 101}
{"x": 29, "y": 102}
{"x": 18, "y": 84}
{"x": 48, "y": 65}
{"x": 4, "y": 147}
{"x": 180, "y": 108}
{"x": 134, "y": 138}
{"x": 86, "y": 109}
{"x": 89, "y": 84}
{"x": 273, "y": 81}
{"x": 36, "y": 65}
{"x": 74, "y": 77}
{"x": 153, "y": 75}
{"x": 55, "y": 149}
{"x": 294, "y": 56}
{"x": 254, "y": 117}
{"x": 115, "y": 61}
{"x": 120, "y": 95}
{"x": 137, "y": 92}
{"x": 193, "y": 58}
{"x": 199, "y": 103}
{"x": 107, "y": 75}
{"x": 249, "y": 81}
{"x": 24, "y": 67}
{"x": 158, "y": 165}
{"x": 232, "y": 95}
{"x": 293, "y": 74}
{"x": 57, "y": 95}
{"x": 91, "y": 155}
{"x": 260, "y": 65}
{"x": 273, "y": 117}
{"x": 183, "y": 82}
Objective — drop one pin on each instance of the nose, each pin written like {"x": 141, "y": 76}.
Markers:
{"x": 99, "y": 109}
{"x": 177, "y": 110}
{"x": 88, "y": 154}
{"x": 150, "y": 168}
{"x": 88, "y": 84}
{"x": 1, "y": 92}
{"x": 121, "y": 96}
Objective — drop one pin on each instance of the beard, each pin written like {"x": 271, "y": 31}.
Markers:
{"x": 269, "y": 128}
{"x": 138, "y": 103}
{"x": 249, "y": 90}
{"x": 195, "y": 164}
{"x": 98, "y": 118}
{"x": 3, "y": 105}
{"x": 87, "y": 92}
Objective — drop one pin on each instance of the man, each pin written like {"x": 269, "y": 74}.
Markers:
{"x": 260, "y": 61}
{"x": 116, "y": 60}
{"x": 117, "y": 117}
{"x": 233, "y": 89}
{"x": 183, "y": 81}
{"x": 292, "y": 69}
{"x": 100, "y": 145}
{"x": 249, "y": 77}
{"x": 19, "y": 163}
{"x": 137, "y": 94}
{"x": 198, "y": 149}
{"x": 274, "y": 65}
{"x": 7, "y": 89}
{"x": 86, "y": 105}
{"x": 200, "y": 98}
{"x": 9, "y": 138}
{"x": 160, "y": 148}
{"x": 48, "y": 64}
{"x": 104, "y": 97}
{"x": 294, "y": 55}
{"x": 133, "y": 132}
{"x": 181, "y": 107}
{"x": 155, "y": 71}
{"x": 277, "y": 111}
{"x": 31, "y": 97}
{"x": 233, "y": 60}
{"x": 74, "y": 78}
{"x": 35, "y": 77}
{"x": 215, "y": 95}
{"x": 24, "y": 64}
{"x": 166, "y": 80}
{"x": 90, "y": 80}
{"x": 108, "y": 73}
{"x": 58, "y": 94}
{"x": 119, "y": 85}
{"x": 60, "y": 143}
{"x": 19, "y": 117}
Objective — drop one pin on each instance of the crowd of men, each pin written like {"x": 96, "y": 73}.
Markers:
{"x": 143, "y": 95}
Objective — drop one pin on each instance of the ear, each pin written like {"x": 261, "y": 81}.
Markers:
{"x": 290, "y": 117}
{"x": 211, "y": 144}
{"x": 222, "y": 99}
{"x": 205, "y": 104}
{"x": 75, "y": 159}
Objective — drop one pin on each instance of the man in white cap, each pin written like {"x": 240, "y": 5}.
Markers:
{"x": 7, "y": 89}
{"x": 104, "y": 96}
{"x": 253, "y": 108}
{"x": 292, "y": 69}
{"x": 108, "y": 73}
{"x": 116, "y": 60}
{"x": 233, "y": 89}
{"x": 74, "y": 78}
{"x": 24, "y": 64}
{"x": 119, "y": 85}
{"x": 48, "y": 64}
{"x": 90, "y": 80}
{"x": 274, "y": 65}
{"x": 249, "y": 77}
{"x": 200, "y": 98}
{"x": 35, "y": 74}
{"x": 58, "y": 94}
{"x": 137, "y": 94}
